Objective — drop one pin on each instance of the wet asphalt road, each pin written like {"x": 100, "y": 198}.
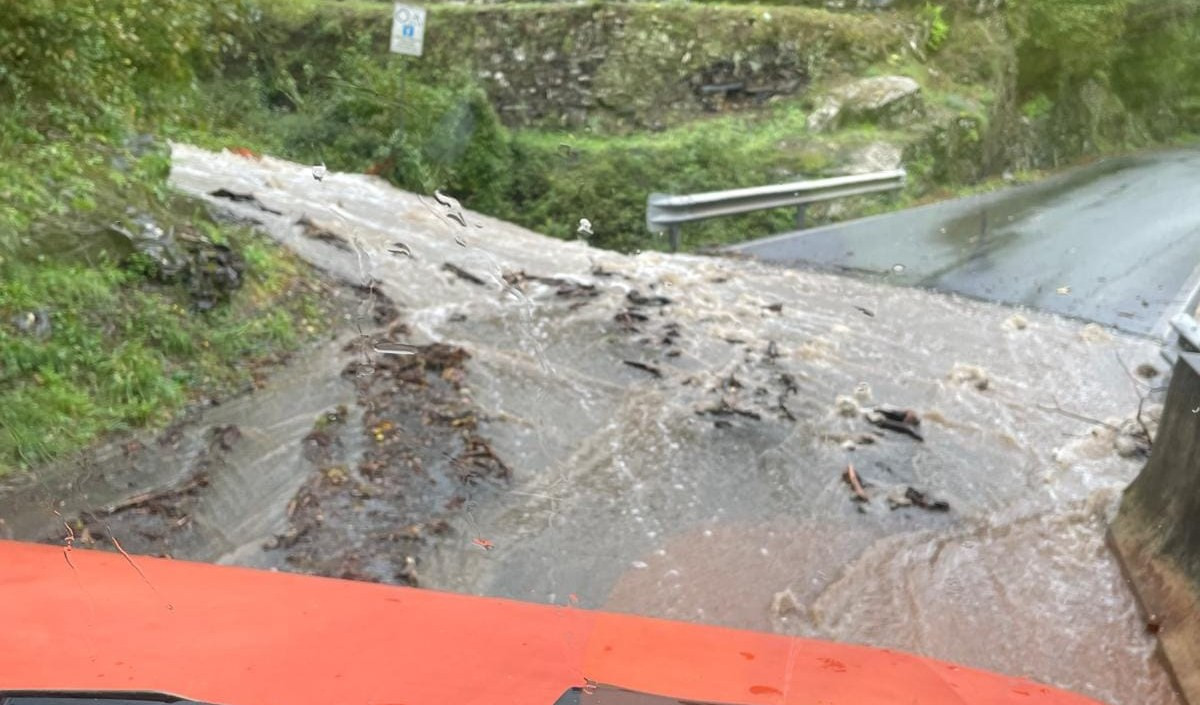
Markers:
{"x": 1116, "y": 242}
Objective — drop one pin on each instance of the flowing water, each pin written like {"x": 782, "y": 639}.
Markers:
{"x": 704, "y": 480}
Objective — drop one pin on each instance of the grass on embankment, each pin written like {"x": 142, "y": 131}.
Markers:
{"x": 115, "y": 348}
{"x": 93, "y": 342}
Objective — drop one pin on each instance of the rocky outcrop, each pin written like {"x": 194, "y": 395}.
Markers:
{"x": 887, "y": 101}
{"x": 875, "y": 156}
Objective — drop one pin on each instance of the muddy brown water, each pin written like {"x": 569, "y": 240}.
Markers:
{"x": 704, "y": 482}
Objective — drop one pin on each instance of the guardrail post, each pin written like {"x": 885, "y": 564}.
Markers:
{"x": 673, "y": 234}
{"x": 801, "y": 213}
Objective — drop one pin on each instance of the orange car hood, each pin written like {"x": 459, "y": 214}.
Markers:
{"x": 96, "y": 620}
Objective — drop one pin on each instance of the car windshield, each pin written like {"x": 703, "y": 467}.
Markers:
{"x": 842, "y": 319}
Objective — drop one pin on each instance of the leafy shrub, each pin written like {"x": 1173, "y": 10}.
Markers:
{"x": 938, "y": 28}
{"x": 89, "y": 64}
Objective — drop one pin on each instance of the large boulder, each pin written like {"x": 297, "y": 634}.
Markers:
{"x": 889, "y": 101}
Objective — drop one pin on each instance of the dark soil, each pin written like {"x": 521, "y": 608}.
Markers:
{"x": 365, "y": 514}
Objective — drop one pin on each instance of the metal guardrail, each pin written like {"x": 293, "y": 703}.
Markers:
{"x": 665, "y": 212}
{"x": 1185, "y": 337}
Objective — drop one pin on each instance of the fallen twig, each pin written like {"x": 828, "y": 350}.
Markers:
{"x": 1078, "y": 417}
{"x": 644, "y": 367}
{"x": 463, "y": 274}
{"x": 851, "y": 478}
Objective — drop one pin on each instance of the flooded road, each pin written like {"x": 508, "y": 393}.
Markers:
{"x": 676, "y": 429}
{"x": 1115, "y": 242}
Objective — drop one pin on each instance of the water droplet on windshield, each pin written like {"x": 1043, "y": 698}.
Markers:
{"x": 897, "y": 268}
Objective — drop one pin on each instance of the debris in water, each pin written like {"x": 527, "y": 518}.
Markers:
{"x": 600, "y": 271}
{"x": 775, "y": 308}
{"x": 920, "y": 499}
{"x": 226, "y": 436}
{"x": 389, "y": 347}
{"x": 851, "y": 478}
{"x": 628, "y": 317}
{"x": 899, "y": 420}
{"x": 316, "y": 232}
{"x": 453, "y": 207}
{"x": 974, "y": 375}
{"x": 1016, "y": 322}
{"x": 400, "y": 249}
{"x": 1063, "y": 290}
{"x": 865, "y": 311}
{"x": 898, "y": 498}
{"x": 1094, "y": 333}
{"x": 1146, "y": 371}
{"x": 1129, "y": 447}
{"x": 724, "y": 408}
{"x": 407, "y": 574}
{"x": 644, "y": 367}
{"x": 895, "y": 413}
{"x": 244, "y": 152}
{"x": 637, "y": 299}
{"x": 785, "y": 604}
{"x": 243, "y": 198}
{"x": 846, "y": 406}
{"x": 463, "y": 274}
{"x": 859, "y": 439}
{"x": 585, "y": 227}
{"x": 862, "y": 393}
{"x": 772, "y": 350}
{"x": 447, "y": 201}
{"x": 483, "y": 543}
{"x": 318, "y": 172}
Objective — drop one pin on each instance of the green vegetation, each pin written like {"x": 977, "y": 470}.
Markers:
{"x": 937, "y": 27}
{"x": 119, "y": 350}
{"x": 93, "y": 337}
{"x": 566, "y": 177}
